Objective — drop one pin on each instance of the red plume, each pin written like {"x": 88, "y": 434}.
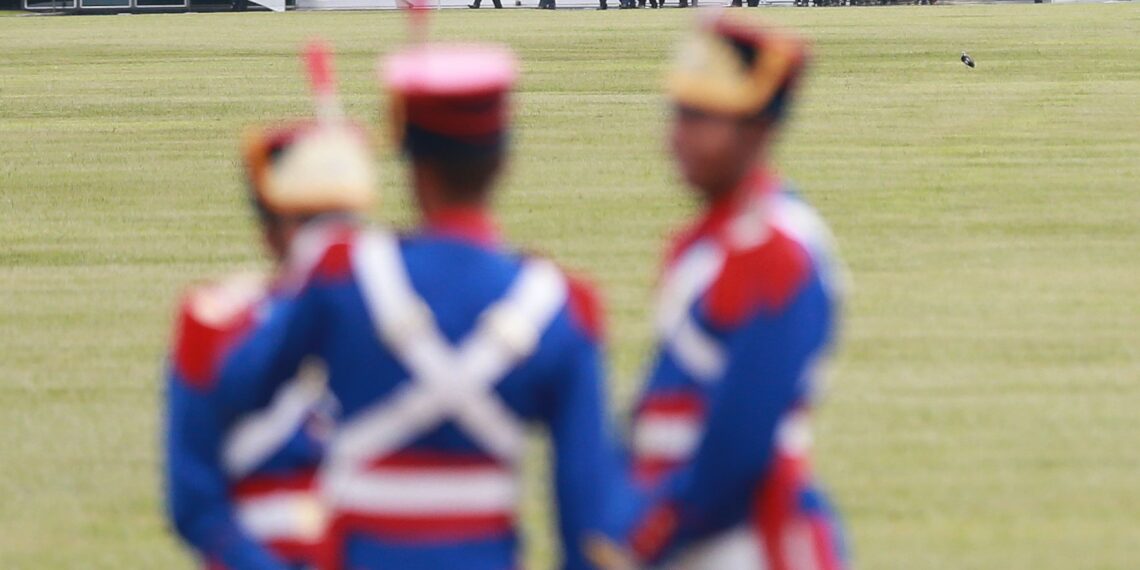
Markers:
{"x": 318, "y": 60}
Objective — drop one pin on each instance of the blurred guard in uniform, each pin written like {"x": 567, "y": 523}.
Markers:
{"x": 240, "y": 478}
{"x": 746, "y": 311}
{"x": 443, "y": 347}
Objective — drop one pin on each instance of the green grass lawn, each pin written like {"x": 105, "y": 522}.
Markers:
{"x": 984, "y": 409}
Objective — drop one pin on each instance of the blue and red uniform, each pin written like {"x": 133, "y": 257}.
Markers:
{"x": 441, "y": 348}
{"x": 720, "y": 437}
{"x": 240, "y": 486}
{"x": 241, "y": 475}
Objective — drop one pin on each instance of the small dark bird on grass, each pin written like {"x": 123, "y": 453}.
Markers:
{"x": 966, "y": 59}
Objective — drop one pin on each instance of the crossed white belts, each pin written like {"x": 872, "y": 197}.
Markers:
{"x": 447, "y": 382}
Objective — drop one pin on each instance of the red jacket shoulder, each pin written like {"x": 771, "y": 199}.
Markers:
{"x": 763, "y": 277}
{"x": 336, "y": 262}
{"x": 211, "y": 318}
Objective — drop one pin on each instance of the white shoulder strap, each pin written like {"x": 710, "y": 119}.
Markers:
{"x": 688, "y": 278}
{"x": 402, "y": 318}
{"x": 510, "y": 329}
{"x": 695, "y": 351}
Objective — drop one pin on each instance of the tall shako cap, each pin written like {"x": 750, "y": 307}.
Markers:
{"x": 450, "y": 100}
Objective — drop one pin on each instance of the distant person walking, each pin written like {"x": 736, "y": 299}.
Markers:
{"x": 475, "y": 5}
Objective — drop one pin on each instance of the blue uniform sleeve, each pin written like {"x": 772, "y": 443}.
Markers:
{"x": 628, "y": 498}
{"x": 270, "y": 354}
{"x": 768, "y": 359}
{"x": 197, "y": 488}
{"x": 584, "y": 452}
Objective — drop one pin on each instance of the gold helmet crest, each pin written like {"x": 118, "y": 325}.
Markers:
{"x": 733, "y": 66}
{"x": 309, "y": 168}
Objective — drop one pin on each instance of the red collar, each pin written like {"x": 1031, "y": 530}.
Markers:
{"x": 466, "y": 223}
{"x": 719, "y": 213}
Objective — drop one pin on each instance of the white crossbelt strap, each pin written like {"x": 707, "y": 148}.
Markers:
{"x": 447, "y": 383}
{"x": 696, "y": 352}
{"x": 258, "y": 436}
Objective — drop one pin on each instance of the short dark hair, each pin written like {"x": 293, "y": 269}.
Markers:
{"x": 466, "y": 179}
